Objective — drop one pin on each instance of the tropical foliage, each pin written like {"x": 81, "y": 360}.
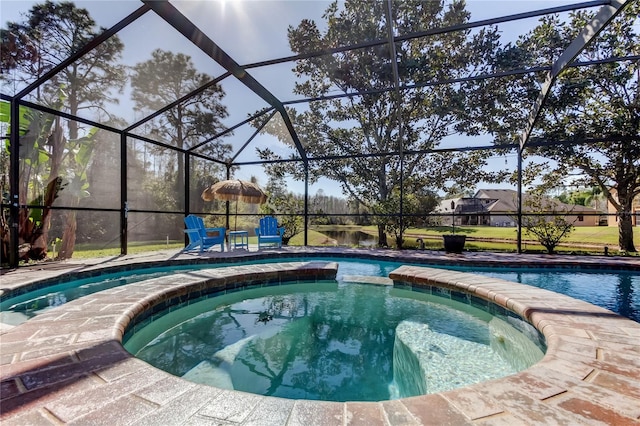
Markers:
{"x": 56, "y": 152}
{"x": 73, "y": 166}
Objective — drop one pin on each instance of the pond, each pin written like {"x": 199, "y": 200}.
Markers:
{"x": 352, "y": 238}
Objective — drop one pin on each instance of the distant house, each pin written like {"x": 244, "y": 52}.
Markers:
{"x": 612, "y": 219}
{"x": 497, "y": 207}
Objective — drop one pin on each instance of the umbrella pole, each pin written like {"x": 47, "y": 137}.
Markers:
{"x": 227, "y": 213}
{"x": 235, "y": 223}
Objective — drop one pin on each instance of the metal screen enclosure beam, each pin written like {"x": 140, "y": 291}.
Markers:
{"x": 604, "y": 16}
{"x": 188, "y": 29}
{"x": 124, "y": 204}
{"x": 14, "y": 183}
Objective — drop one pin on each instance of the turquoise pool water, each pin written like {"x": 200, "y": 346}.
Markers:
{"x": 333, "y": 341}
{"x": 20, "y": 308}
{"x": 618, "y": 291}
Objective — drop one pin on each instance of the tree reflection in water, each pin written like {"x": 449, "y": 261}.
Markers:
{"x": 317, "y": 341}
{"x": 625, "y": 300}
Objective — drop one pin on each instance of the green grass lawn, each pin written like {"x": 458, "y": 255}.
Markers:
{"x": 90, "y": 251}
{"x": 583, "y": 240}
{"x": 596, "y": 235}
{"x": 85, "y": 251}
{"x": 314, "y": 238}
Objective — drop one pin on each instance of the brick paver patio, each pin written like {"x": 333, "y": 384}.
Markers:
{"x": 67, "y": 365}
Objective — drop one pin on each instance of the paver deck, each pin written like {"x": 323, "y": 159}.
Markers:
{"x": 67, "y": 365}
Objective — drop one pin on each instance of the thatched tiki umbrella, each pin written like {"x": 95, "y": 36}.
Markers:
{"x": 235, "y": 190}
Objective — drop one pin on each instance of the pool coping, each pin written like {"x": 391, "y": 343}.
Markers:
{"x": 30, "y": 278}
{"x": 67, "y": 366}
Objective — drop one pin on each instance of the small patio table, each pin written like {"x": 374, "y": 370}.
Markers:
{"x": 238, "y": 240}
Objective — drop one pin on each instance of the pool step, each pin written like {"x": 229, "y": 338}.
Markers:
{"x": 367, "y": 279}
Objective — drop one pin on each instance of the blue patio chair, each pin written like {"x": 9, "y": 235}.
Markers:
{"x": 269, "y": 234}
{"x": 201, "y": 238}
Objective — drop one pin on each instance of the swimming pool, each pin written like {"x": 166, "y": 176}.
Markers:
{"x": 618, "y": 291}
{"x": 550, "y": 387}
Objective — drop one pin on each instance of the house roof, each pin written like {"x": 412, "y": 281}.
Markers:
{"x": 507, "y": 201}
{"x": 501, "y": 201}
{"x": 445, "y": 205}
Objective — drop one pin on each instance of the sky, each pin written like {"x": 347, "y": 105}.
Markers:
{"x": 250, "y": 31}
